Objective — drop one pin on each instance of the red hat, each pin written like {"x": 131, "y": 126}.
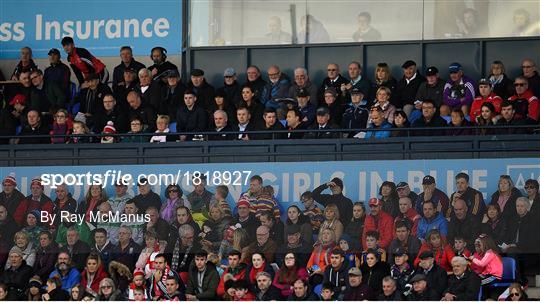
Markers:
{"x": 10, "y": 180}
{"x": 18, "y": 99}
{"x": 374, "y": 202}
{"x": 243, "y": 201}
{"x": 109, "y": 128}
{"x": 138, "y": 272}
{"x": 36, "y": 181}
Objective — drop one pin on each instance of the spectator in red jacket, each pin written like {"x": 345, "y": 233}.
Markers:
{"x": 442, "y": 251}
{"x": 486, "y": 95}
{"x": 83, "y": 62}
{"x": 379, "y": 221}
{"x": 524, "y": 101}
{"x": 407, "y": 212}
{"x": 35, "y": 201}
{"x": 93, "y": 273}
{"x": 235, "y": 271}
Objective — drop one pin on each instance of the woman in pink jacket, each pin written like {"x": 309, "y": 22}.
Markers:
{"x": 486, "y": 262}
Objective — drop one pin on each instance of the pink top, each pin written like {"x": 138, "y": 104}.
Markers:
{"x": 489, "y": 264}
{"x": 502, "y": 201}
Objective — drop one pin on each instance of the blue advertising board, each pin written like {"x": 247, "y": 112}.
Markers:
{"x": 99, "y": 26}
{"x": 362, "y": 179}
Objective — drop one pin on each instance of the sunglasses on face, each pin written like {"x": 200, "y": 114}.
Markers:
{"x": 514, "y": 294}
{"x": 519, "y": 84}
{"x": 529, "y": 187}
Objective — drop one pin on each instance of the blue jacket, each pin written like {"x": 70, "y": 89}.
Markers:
{"x": 438, "y": 222}
{"x": 379, "y": 134}
{"x": 273, "y": 91}
{"x": 68, "y": 281}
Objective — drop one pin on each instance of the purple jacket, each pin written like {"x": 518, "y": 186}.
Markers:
{"x": 453, "y": 92}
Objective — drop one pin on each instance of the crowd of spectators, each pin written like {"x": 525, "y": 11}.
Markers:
{"x": 398, "y": 245}
{"x": 151, "y": 99}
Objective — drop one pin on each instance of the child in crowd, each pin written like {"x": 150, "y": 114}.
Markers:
{"x": 138, "y": 284}
{"x": 241, "y": 291}
{"x": 109, "y": 129}
{"x": 139, "y": 294}
{"x": 327, "y": 292}
{"x": 80, "y": 128}
{"x": 460, "y": 247}
{"x": 350, "y": 255}
{"x": 220, "y": 197}
{"x": 372, "y": 242}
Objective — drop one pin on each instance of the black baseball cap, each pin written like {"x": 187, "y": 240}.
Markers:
{"x": 431, "y": 71}
{"x": 302, "y": 93}
{"x": 197, "y": 73}
{"x": 322, "y": 111}
{"x": 54, "y": 51}
{"x": 428, "y": 180}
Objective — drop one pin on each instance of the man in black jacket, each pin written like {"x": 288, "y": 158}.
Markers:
{"x": 473, "y": 198}
{"x": 390, "y": 292}
{"x": 172, "y": 94}
{"x": 464, "y": 284}
{"x": 265, "y": 291}
{"x": 35, "y": 127}
{"x": 203, "y": 279}
{"x": 78, "y": 249}
{"x": 323, "y": 123}
{"x": 336, "y": 273}
{"x": 270, "y": 124}
{"x": 408, "y": 86}
{"x": 45, "y": 96}
{"x": 463, "y": 224}
{"x": 17, "y": 275}
{"x": 343, "y": 203}
{"x": 221, "y": 122}
{"x": 191, "y": 117}
{"x": 146, "y": 113}
{"x": 146, "y": 198}
{"x": 430, "y": 118}
{"x": 126, "y": 55}
{"x": 435, "y": 275}
{"x": 254, "y": 80}
{"x": 201, "y": 88}
{"x": 112, "y": 113}
{"x": 244, "y": 124}
{"x": 421, "y": 291}
{"x": 333, "y": 80}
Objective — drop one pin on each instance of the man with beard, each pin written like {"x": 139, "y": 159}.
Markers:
{"x": 277, "y": 88}
{"x": 69, "y": 275}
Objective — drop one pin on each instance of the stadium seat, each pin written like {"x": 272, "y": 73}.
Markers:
{"x": 18, "y": 130}
{"x": 172, "y": 127}
{"x": 75, "y": 108}
{"x": 509, "y": 273}
{"x": 74, "y": 91}
{"x": 318, "y": 289}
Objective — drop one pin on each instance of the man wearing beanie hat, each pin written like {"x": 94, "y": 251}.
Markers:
{"x": 108, "y": 129}
{"x": 37, "y": 200}
{"x": 343, "y": 203}
{"x": 10, "y": 197}
{"x": 17, "y": 275}
{"x": 245, "y": 218}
